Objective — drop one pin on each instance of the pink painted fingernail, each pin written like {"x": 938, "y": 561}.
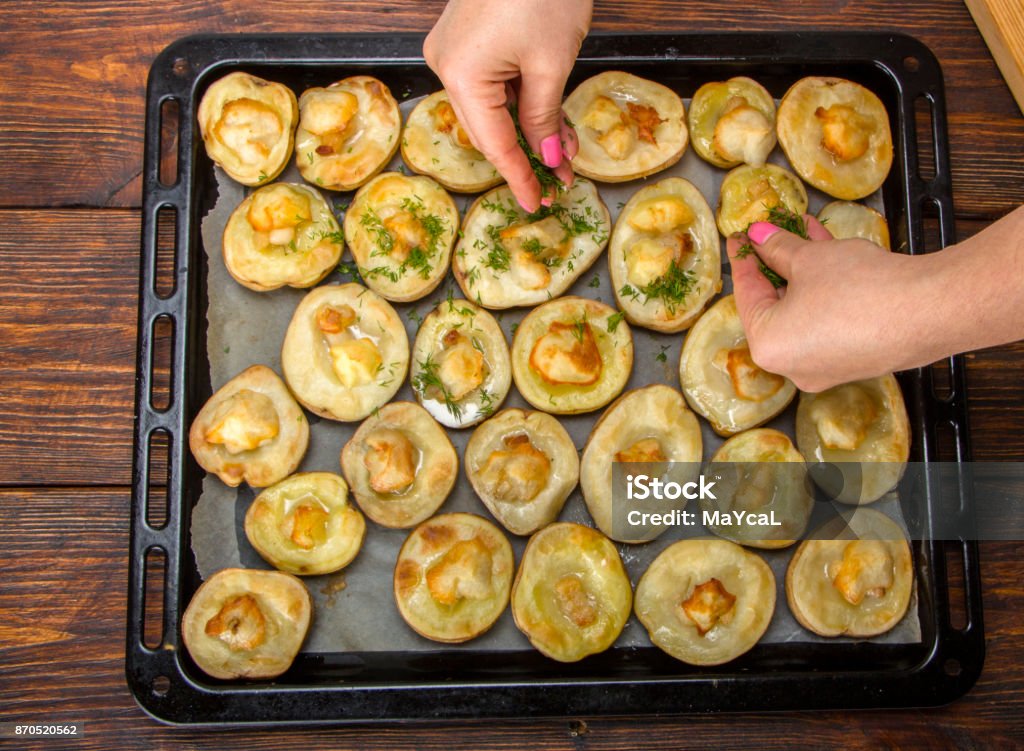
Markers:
{"x": 546, "y": 201}
{"x": 761, "y": 231}
{"x": 551, "y": 150}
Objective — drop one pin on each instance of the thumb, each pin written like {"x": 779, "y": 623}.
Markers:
{"x": 775, "y": 246}
{"x": 540, "y": 113}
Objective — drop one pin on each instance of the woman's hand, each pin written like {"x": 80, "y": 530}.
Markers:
{"x": 849, "y": 310}
{"x": 488, "y": 53}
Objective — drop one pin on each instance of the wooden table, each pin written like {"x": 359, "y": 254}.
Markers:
{"x": 72, "y": 83}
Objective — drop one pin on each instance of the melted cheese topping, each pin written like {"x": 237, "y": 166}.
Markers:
{"x": 660, "y": 214}
{"x": 644, "y": 450}
{"x": 843, "y": 416}
{"x": 328, "y": 112}
{"x": 464, "y": 572}
{"x": 306, "y": 525}
{"x": 865, "y": 569}
{"x": 574, "y": 602}
{"x": 356, "y": 362}
{"x": 517, "y": 473}
{"x": 239, "y": 623}
{"x": 744, "y": 134}
{"x": 272, "y": 210}
{"x": 462, "y": 366}
{"x": 708, "y": 605}
{"x": 244, "y": 421}
{"x": 446, "y": 122}
{"x": 390, "y": 460}
{"x": 748, "y": 380}
{"x": 567, "y": 354}
{"x": 845, "y": 133}
{"x": 249, "y": 129}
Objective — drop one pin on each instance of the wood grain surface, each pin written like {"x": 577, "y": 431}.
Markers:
{"x": 72, "y": 83}
{"x": 72, "y": 121}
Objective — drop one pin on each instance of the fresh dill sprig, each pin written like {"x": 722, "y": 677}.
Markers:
{"x": 550, "y": 184}
{"x": 785, "y": 219}
{"x": 614, "y": 320}
{"x": 671, "y": 288}
{"x": 579, "y": 328}
{"x": 428, "y": 380}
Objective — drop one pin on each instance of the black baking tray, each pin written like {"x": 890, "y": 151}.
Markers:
{"x": 448, "y": 683}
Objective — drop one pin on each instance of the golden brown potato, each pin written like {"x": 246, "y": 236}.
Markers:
{"x": 571, "y": 595}
{"x": 461, "y": 371}
{"x": 305, "y": 524}
{"x": 248, "y": 126}
{"x": 523, "y": 466}
{"x": 748, "y": 193}
{"x": 705, "y": 601}
{"x": 863, "y": 429}
{"x": 453, "y": 576}
{"x": 345, "y": 352}
{"x": 508, "y": 258}
{"x": 650, "y": 424}
{"x": 400, "y": 465}
{"x": 664, "y": 258}
{"x": 251, "y": 429}
{"x": 628, "y": 126}
{"x": 401, "y": 231}
{"x": 732, "y": 122}
{"x": 721, "y": 381}
{"x": 758, "y": 472}
{"x": 282, "y": 234}
{"x": 347, "y": 132}
{"x": 571, "y": 355}
{"x": 836, "y": 135}
{"x": 856, "y": 585}
{"x": 247, "y": 624}
{"x": 435, "y": 144}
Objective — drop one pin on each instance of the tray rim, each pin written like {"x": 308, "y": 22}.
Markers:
{"x": 188, "y": 701}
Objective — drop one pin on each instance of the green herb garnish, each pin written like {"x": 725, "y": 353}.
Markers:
{"x": 550, "y": 184}
{"x": 785, "y": 219}
{"x": 427, "y": 382}
{"x": 614, "y": 320}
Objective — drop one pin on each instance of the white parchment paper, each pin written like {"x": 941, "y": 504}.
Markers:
{"x": 355, "y": 609}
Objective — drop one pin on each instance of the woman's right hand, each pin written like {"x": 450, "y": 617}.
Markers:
{"x": 488, "y": 53}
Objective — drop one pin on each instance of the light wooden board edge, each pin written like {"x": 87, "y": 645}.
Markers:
{"x": 1001, "y": 23}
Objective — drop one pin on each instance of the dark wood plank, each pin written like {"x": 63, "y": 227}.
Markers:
{"x": 83, "y": 122}
{"x": 68, "y": 308}
{"x": 62, "y": 614}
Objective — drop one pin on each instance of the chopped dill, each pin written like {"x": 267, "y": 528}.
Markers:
{"x": 595, "y": 282}
{"x": 427, "y": 383}
{"x": 671, "y": 288}
{"x": 614, "y": 320}
{"x": 550, "y": 185}
{"x": 781, "y": 217}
